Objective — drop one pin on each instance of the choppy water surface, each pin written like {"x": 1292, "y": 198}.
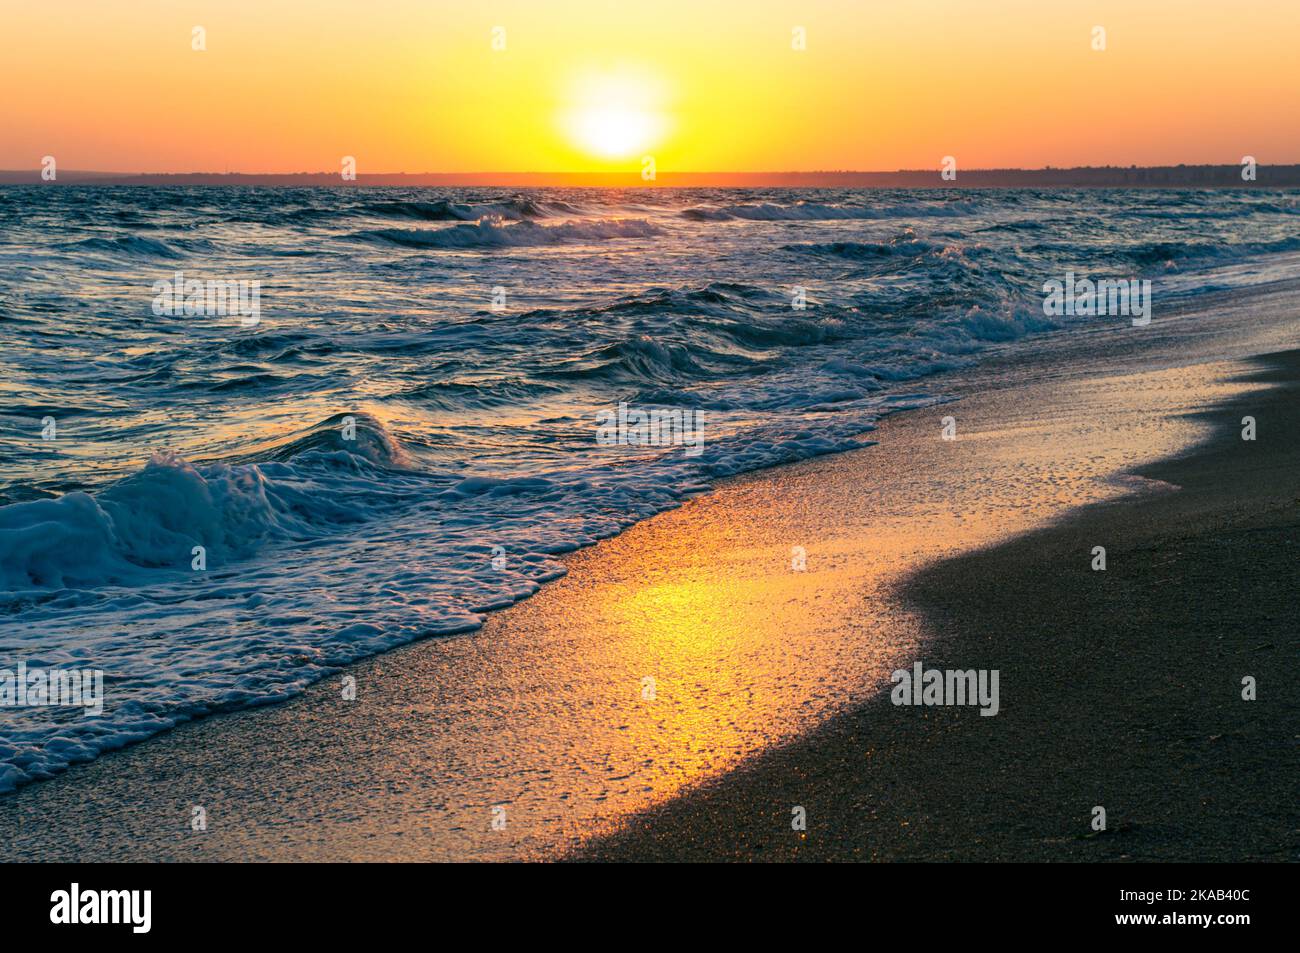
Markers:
{"x": 475, "y": 460}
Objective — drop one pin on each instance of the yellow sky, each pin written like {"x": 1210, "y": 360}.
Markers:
{"x": 700, "y": 85}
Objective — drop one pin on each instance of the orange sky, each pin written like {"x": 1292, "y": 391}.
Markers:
{"x": 587, "y": 85}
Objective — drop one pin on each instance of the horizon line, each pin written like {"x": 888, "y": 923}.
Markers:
{"x": 675, "y": 172}
{"x": 1180, "y": 176}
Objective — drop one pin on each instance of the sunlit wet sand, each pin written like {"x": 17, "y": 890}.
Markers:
{"x": 1146, "y": 712}
{"x": 668, "y": 654}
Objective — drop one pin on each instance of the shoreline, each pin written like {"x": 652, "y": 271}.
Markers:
{"x": 1121, "y": 689}
{"x": 272, "y": 766}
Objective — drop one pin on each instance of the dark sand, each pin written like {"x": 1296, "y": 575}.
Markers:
{"x": 1120, "y": 688}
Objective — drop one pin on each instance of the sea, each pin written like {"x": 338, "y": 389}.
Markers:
{"x": 249, "y": 436}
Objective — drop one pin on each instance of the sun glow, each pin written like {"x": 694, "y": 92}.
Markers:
{"x": 615, "y": 114}
{"x": 577, "y": 86}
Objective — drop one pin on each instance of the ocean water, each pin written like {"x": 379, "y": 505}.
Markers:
{"x": 407, "y": 437}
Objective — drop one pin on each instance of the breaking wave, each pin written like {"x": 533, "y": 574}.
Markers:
{"x": 490, "y": 233}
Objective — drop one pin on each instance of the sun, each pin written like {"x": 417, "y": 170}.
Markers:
{"x": 613, "y": 131}
{"x": 615, "y": 114}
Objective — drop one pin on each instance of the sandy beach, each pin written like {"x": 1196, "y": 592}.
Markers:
{"x": 691, "y": 681}
{"x": 1120, "y": 689}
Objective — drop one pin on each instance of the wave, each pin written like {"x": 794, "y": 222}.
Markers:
{"x": 478, "y": 395}
{"x": 729, "y": 319}
{"x": 444, "y": 210}
{"x": 153, "y": 519}
{"x": 1016, "y": 226}
{"x": 715, "y": 297}
{"x": 138, "y": 246}
{"x": 1174, "y": 254}
{"x": 902, "y": 246}
{"x": 643, "y": 359}
{"x": 1233, "y": 210}
{"x": 945, "y": 267}
{"x": 494, "y": 234}
{"x": 812, "y": 211}
{"x": 518, "y": 208}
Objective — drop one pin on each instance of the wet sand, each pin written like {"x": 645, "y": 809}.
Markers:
{"x": 691, "y": 671}
{"x": 1120, "y": 688}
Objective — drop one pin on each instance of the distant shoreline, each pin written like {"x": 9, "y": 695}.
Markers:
{"x": 1158, "y": 177}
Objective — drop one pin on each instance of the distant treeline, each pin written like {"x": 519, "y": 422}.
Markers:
{"x": 1171, "y": 177}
